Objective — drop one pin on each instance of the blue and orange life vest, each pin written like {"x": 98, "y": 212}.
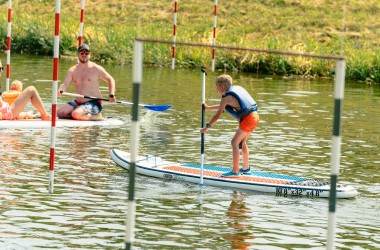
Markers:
{"x": 246, "y": 102}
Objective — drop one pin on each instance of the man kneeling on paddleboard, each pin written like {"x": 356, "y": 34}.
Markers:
{"x": 239, "y": 103}
{"x": 86, "y": 76}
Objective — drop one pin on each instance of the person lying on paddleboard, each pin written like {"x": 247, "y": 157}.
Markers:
{"x": 86, "y": 76}
{"x": 239, "y": 103}
{"x": 13, "y": 110}
{"x": 11, "y": 95}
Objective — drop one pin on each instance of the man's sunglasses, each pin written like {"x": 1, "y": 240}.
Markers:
{"x": 84, "y": 53}
{"x": 1, "y": 68}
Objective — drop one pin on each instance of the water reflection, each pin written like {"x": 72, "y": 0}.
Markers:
{"x": 7, "y": 142}
{"x": 239, "y": 215}
{"x": 82, "y": 141}
{"x": 88, "y": 208}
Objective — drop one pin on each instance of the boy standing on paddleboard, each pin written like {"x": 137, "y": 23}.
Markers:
{"x": 86, "y": 76}
{"x": 239, "y": 103}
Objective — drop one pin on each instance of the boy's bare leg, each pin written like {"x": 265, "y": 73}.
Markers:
{"x": 239, "y": 136}
{"x": 245, "y": 152}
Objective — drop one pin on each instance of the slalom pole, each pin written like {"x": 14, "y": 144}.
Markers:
{"x": 9, "y": 29}
{"x": 81, "y": 21}
{"x": 54, "y": 95}
{"x": 214, "y": 36}
{"x": 174, "y": 32}
{"x": 336, "y": 149}
{"x": 203, "y": 123}
{"x": 134, "y": 147}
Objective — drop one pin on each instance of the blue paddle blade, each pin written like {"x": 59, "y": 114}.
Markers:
{"x": 158, "y": 108}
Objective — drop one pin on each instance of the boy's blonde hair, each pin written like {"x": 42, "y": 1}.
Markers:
{"x": 16, "y": 85}
{"x": 224, "y": 80}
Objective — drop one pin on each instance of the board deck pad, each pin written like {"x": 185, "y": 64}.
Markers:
{"x": 212, "y": 173}
{"x": 256, "y": 176}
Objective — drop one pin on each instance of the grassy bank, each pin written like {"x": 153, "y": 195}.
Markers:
{"x": 320, "y": 27}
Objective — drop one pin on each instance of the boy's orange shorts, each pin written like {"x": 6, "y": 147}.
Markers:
{"x": 249, "y": 122}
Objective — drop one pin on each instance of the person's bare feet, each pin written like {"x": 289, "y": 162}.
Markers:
{"x": 46, "y": 117}
{"x": 97, "y": 117}
{"x": 30, "y": 115}
{"x": 101, "y": 118}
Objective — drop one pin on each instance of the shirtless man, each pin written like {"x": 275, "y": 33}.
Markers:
{"x": 86, "y": 77}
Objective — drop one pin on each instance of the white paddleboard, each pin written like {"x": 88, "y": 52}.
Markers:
{"x": 38, "y": 123}
{"x": 279, "y": 184}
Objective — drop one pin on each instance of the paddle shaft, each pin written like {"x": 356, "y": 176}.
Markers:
{"x": 157, "y": 108}
{"x": 91, "y": 97}
{"x": 203, "y": 123}
{"x": 203, "y": 135}
{"x": 203, "y": 109}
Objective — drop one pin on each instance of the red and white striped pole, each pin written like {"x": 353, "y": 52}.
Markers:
{"x": 54, "y": 94}
{"x": 214, "y": 35}
{"x": 8, "y": 74}
{"x": 81, "y": 21}
{"x": 174, "y": 32}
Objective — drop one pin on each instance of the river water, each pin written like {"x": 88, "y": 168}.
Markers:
{"x": 88, "y": 207}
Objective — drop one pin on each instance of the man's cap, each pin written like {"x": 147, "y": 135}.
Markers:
{"x": 83, "y": 47}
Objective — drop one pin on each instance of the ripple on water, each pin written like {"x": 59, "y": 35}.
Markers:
{"x": 88, "y": 207}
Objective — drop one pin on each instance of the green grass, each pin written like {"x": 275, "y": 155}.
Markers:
{"x": 339, "y": 27}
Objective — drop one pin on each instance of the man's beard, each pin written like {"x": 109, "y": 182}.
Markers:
{"x": 83, "y": 60}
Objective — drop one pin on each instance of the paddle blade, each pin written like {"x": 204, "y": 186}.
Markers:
{"x": 157, "y": 108}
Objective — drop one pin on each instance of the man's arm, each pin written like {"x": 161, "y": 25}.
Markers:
{"x": 66, "y": 83}
{"x": 105, "y": 76}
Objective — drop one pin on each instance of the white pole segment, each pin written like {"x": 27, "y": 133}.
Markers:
{"x": 130, "y": 222}
{"x": 135, "y": 130}
{"x": 203, "y": 87}
{"x": 335, "y": 156}
{"x": 340, "y": 71}
{"x": 56, "y": 46}
{"x": 137, "y": 62}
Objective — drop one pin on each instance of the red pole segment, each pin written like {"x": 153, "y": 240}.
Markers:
{"x": 214, "y": 35}
{"x": 8, "y": 66}
{"x": 54, "y": 95}
{"x": 174, "y": 32}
